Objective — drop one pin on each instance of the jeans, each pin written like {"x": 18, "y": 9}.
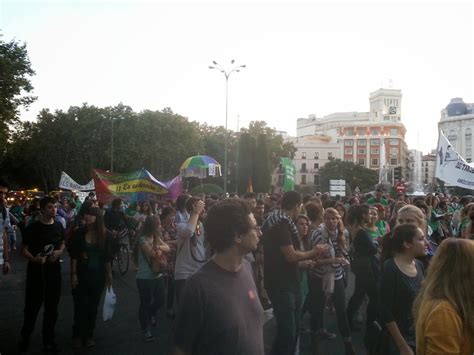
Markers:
{"x": 287, "y": 304}
{"x": 86, "y": 297}
{"x": 365, "y": 284}
{"x": 151, "y": 293}
{"x": 170, "y": 292}
{"x": 43, "y": 285}
{"x": 317, "y": 301}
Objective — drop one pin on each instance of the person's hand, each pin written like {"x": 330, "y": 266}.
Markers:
{"x": 6, "y": 267}
{"x": 320, "y": 249}
{"x": 74, "y": 281}
{"x": 199, "y": 207}
{"x": 309, "y": 264}
{"x": 108, "y": 280}
{"x": 406, "y": 350}
{"x": 54, "y": 256}
{"x": 39, "y": 259}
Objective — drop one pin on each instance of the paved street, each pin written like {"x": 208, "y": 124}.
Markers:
{"x": 121, "y": 335}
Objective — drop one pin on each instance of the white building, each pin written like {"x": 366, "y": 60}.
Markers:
{"x": 360, "y": 134}
{"x": 457, "y": 123}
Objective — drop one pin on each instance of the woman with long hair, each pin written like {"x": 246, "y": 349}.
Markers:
{"x": 402, "y": 275}
{"x": 169, "y": 231}
{"x": 150, "y": 283}
{"x": 465, "y": 218}
{"x": 90, "y": 251}
{"x": 365, "y": 265}
{"x": 444, "y": 307}
{"x": 394, "y": 217}
{"x": 314, "y": 212}
{"x": 326, "y": 279}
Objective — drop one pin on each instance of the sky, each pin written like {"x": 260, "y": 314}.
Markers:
{"x": 301, "y": 58}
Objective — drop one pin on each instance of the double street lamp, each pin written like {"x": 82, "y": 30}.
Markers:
{"x": 232, "y": 68}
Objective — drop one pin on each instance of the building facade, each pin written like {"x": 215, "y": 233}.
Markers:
{"x": 457, "y": 123}
{"x": 361, "y": 135}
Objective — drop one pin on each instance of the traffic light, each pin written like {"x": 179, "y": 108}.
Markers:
{"x": 397, "y": 173}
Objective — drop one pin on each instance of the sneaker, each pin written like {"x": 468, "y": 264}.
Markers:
{"x": 324, "y": 334}
{"x": 148, "y": 337}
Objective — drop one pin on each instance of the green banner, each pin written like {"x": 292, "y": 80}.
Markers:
{"x": 289, "y": 171}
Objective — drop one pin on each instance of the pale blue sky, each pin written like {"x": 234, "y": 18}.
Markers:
{"x": 309, "y": 57}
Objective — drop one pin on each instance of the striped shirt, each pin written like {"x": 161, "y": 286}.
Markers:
{"x": 317, "y": 238}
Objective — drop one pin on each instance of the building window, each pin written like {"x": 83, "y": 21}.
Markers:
{"x": 316, "y": 155}
{"x": 394, "y": 132}
{"x": 361, "y": 131}
{"x": 452, "y": 136}
{"x": 329, "y": 155}
{"x": 303, "y": 179}
{"x": 468, "y": 160}
{"x": 361, "y": 142}
{"x": 361, "y": 161}
{"x": 361, "y": 151}
{"x": 374, "y": 151}
{"x": 393, "y": 161}
{"x": 426, "y": 176}
{"x": 374, "y": 162}
{"x": 375, "y": 131}
{"x": 426, "y": 170}
{"x": 468, "y": 152}
{"x": 303, "y": 167}
{"x": 393, "y": 150}
{"x": 316, "y": 165}
{"x": 349, "y": 132}
{"x": 393, "y": 141}
{"x": 468, "y": 136}
{"x": 348, "y": 142}
{"x": 316, "y": 180}
{"x": 375, "y": 142}
{"x": 348, "y": 151}
{"x": 303, "y": 155}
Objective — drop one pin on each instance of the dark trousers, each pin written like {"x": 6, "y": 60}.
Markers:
{"x": 287, "y": 306}
{"x": 365, "y": 284}
{"x": 317, "y": 301}
{"x": 43, "y": 285}
{"x": 170, "y": 292}
{"x": 151, "y": 293}
{"x": 179, "y": 286}
{"x": 86, "y": 297}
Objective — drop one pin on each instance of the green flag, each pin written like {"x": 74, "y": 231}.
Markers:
{"x": 289, "y": 174}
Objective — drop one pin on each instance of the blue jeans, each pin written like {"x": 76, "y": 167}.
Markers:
{"x": 287, "y": 304}
{"x": 152, "y": 297}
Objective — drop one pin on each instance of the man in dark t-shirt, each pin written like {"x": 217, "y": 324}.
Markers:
{"x": 219, "y": 311}
{"x": 281, "y": 256}
{"x": 43, "y": 244}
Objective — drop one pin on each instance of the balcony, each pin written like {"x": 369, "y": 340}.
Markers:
{"x": 303, "y": 170}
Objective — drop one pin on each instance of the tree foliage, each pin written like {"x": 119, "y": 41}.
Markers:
{"x": 354, "y": 175}
{"x": 15, "y": 84}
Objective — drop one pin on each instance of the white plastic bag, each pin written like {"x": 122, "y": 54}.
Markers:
{"x": 110, "y": 300}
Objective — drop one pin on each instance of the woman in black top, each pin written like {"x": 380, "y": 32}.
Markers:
{"x": 401, "y": 279}
{"x": 90, "y": 272}
{"x": 364, "y": 264}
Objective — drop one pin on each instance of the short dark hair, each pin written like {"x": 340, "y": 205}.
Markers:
{"x": 190, "y": 203}
{"x": 116, "y": 202}
{"x": 45, "y": 200}
{"x": 392, "y": 243}
{"x": 290, "y": 200}
{"x": 355, "y": 214}
{"x": 314, "y": 211}
{"x": 181, "y": 202}
{"x": 225, "y": 220}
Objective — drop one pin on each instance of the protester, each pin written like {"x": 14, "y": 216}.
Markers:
{"x": 365, "y": 265}
{"x": 4, "y": 227}
{"x": 192, "y": 250}
{"x": 182, "y": 216}
{"x": 444, "y": 307}
{"x": 91, "y": 252}
{"x": 219, "y": 312}
{"x": 378, "y": 198}
{"x": 401, "y": 279}
{"x": 150, "y": 283}
{"x": 327, "y": 278}
{"x": 281, "y": 257}
{"x": 43, "y": 244}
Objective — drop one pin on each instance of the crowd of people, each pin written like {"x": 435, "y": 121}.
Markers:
{"x": 215, "y": 264}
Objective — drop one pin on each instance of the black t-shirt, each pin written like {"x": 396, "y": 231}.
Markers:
{"x": 220, "y": 313}
{"x": 365, "y": 251}
{"x": 37, "y": 235}
{"x": 279, "y": 273}
{"x": 114, "y": 220}
{"x": 398, "y": 291}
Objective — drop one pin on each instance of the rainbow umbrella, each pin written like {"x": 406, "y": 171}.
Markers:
{"x": 200, "y": 166}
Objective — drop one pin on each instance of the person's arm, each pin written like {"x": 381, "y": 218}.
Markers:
{"x": 34, "y": 259}
{"x": 443, "y": 332}
{"x": 108, "y": 274}
{"x": 398, "y": 339}
{"x": 293, "y": 256}
{"x": 186, "y": 230}
{"x": 6, "y": 252}
{"x": 148, "y": 250}
{"x": 163, "y": 246}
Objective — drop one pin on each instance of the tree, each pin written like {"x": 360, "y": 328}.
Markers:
{"x": 15, "y": 73}
{"x": 354, "y": 175}
{"x": 262, "y": 165}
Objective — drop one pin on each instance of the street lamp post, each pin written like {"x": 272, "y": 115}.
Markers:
{"x": 232, "y": 68}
